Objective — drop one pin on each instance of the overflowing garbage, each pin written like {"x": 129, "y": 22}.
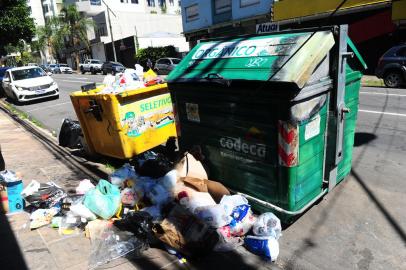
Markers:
{"x": 151, "y": 203}
{"x": 130, "y": 79}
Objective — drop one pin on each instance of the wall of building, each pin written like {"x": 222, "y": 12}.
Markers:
{"x": 207, "y": 17}
{"x": 204, "y": 18}
{"x": 36, "y": 11}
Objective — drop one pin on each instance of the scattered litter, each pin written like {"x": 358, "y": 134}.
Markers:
{"x": 43, "y": 195}
{"x": 104, "y": 200}
{"x": 42, "y": 217}
{"x": 112, "y": 244}
{"x": 84, "y": 186}
{"x": 11, "y": 186}
{"x": 268, "y": 224}
{"x": 265, "y": 246}
{"x": 150, "y": 202}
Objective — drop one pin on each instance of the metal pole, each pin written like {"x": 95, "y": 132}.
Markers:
{"x": 111, "y": 31}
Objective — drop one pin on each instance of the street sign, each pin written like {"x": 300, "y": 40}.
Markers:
{"x": 268, "y": 27}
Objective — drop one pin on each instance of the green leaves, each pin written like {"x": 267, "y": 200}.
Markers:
{"x": 154, "y": 53}
{"x": 15, "y": 23}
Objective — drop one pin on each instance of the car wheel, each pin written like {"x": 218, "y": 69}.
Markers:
{"x": 393, "y": 79}
{"x": 113, "y": 72}
{"x": 82, "y": 70}
{"x": 104, "y": 72}
{"x": 15, "y": 100}
{"x": 92, "y": 71}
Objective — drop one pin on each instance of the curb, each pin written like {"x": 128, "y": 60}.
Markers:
{"x": 51, "y": 143}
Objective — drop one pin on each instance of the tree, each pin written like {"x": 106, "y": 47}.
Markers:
{"x": 15, "y": 23}
{"x": 48, "y": 37}
{"x": 74, "y": 26}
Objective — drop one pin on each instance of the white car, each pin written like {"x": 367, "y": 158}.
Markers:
{"x": 63, "y": 68}
{"x": 29, "y": 83}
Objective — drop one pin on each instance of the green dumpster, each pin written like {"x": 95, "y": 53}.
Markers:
{"x": 274, "y": 116}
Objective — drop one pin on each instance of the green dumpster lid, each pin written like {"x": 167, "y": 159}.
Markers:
{"x": 256, "y": 58}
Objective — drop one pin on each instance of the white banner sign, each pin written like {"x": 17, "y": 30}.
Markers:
{"x": 267, "y": 28}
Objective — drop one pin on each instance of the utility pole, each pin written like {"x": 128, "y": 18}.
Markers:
{"x": 111, "y": 29}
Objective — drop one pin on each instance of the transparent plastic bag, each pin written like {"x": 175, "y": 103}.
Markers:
{"x": 112, "y": 244}
{"x": 268, "y": 224}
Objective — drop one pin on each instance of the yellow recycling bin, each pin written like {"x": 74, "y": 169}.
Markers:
{"x": 126, "y": 124}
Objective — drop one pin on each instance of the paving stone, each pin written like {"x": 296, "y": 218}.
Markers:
{"x": 70, "y": 251}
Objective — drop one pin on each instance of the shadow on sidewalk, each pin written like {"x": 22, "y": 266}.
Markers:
{"x": 10, "y": 252}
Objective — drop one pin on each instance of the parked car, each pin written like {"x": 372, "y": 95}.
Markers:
{"x": 29, "y": 83}
{"x": 166, "y": 65}
{"x": 52, "y": 67}
{"x": 392, "y": 67}
{"x": 2, "y": 72}
{"x": 90, "y": 65}
{"x": 112, "y": 67}
{"x": 63, "y": 68}
{"x": 44, "y": 67}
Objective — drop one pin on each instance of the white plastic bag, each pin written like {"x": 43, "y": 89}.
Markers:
{"x": 191, "y": 200}
{"x": 268, "y": 224}
{"x": 169, "y": 180}
{"x": 231, "y": 201}
{"x": 84, "y": 186}
{"x": 214, "y": 215}
{"x": 80, "y": 210}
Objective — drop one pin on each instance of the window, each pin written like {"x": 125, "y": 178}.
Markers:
{"x": 171, "y": 3}
{"x": 134, "y": 1}
{"x": 222, "y": 6}
{"x": 151, "y": 3}
{"x": 46, "y": 8}
{"x": 192, "y": 13}
{"x": 246, "y": 3}
{"x": 175, "y": 61}
{"x": 24, "y": 74}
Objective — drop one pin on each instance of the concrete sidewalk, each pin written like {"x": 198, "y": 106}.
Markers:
{"x": 44, "y": 248}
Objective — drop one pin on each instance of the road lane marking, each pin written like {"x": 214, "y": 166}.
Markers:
{"x": 75, "y": 81}
{"x": 46, "y": 107}
{"x": 383, "y": 94}
{"x": 387, "y": 113}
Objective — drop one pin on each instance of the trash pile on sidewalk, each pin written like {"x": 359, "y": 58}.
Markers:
{"x": 130, "y": 79}
{"x": 150, "y": 203}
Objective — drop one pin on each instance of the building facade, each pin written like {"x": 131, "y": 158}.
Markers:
{"x": 374, "y": 25}
{"x": 214, "y": 18}
{"x": 146, "y": 22}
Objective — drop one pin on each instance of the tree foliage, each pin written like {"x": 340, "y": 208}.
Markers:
{"x": 15, "y": 23}
{"x": 154, "y": 53}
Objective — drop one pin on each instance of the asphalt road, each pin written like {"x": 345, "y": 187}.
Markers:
{"x": 361, "y": 224}
{"x": 51, "y": 112}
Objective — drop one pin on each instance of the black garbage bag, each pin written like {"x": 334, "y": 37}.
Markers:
{"x": 152, "y": 164}
{"x": 139, "y": 223}
{"x": 70, "y": 133}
